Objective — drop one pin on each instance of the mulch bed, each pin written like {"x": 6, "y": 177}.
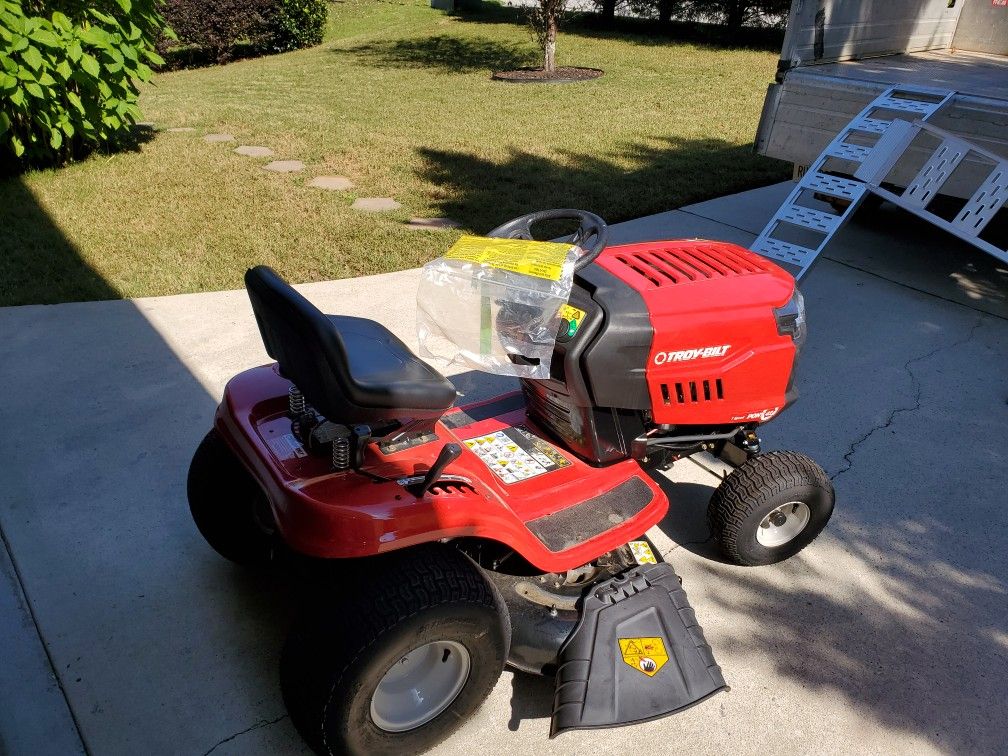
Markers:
{"x": 562, "y": 75}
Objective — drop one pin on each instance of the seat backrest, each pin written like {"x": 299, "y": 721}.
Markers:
{"x": 301, "y": 339}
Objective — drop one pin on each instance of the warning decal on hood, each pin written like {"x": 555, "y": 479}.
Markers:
{"x": 515, "y": 454}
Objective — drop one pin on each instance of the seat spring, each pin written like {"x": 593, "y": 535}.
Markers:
{"x": 341, "y": 454}
{"x": 297, "y": 401}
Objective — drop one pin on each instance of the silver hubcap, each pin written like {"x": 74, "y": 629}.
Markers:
{"x": 420, "y": 686}
{"x": 783, "y": 524}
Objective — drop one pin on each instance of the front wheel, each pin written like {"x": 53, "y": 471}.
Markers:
{"x": 770, "y": 508}
{"x": 396, "y": 661}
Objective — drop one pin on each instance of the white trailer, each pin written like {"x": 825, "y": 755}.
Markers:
{"x": 839, "y": 55}
{"x": 904, "y": 99}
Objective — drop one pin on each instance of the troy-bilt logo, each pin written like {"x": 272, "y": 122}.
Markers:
{"x": 691, "y": 354}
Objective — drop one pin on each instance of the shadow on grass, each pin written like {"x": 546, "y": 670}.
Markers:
{"x": 446, "y": 53}
{"x": 664, "y": 173}
{"x": 640, "y": 31}
{"x": 38, "y": 264}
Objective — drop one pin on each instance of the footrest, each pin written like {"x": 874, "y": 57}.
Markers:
{"x": 636, "y": 654}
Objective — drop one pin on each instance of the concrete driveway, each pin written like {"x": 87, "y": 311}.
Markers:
{"x": 123, "y": 633}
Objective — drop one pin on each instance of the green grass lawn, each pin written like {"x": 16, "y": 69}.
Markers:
{"x": 398, "y": 99}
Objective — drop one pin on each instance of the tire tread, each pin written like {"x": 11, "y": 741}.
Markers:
{"x": 747, "y": 485}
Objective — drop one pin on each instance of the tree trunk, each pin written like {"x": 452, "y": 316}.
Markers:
{"x": 736, "y": 15}
{"x": 665, "y": 11}
{"x": 608, "y": 11}
{"x": 549, "y": 57}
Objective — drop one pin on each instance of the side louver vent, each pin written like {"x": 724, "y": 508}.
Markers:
{"x": 691, "y": 392}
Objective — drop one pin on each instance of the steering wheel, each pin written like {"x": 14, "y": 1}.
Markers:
{"x": 591, "y": 235}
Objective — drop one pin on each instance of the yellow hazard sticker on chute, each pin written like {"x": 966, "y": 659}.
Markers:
{"x": 646, "y": 655}
{"x": 642, "y": 552}
{"x": 531, "y": 258}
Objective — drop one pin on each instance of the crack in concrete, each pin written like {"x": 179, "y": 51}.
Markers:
{"x": 257, "y": 726}
{"x": 897, "y": 411}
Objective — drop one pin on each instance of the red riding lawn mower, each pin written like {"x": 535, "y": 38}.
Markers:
{"x": 510, "y": 531}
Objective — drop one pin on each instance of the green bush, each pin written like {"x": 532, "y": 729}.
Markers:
{"x": 298, "y": 23}
{"x": 220, "y": 30}
{"x": 68, "y": 79}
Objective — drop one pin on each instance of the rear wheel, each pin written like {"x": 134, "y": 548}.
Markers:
{"x": 770, "y": 508}
{"x": 228, "y": 506}
{"x": 395, "y": 661}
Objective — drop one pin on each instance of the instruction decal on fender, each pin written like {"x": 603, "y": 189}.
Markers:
{"x": 531, "y": 258}
{"x": 646, "y": 655}
{"x": 287, "y": 447}
{"x": 515, "y": 454}
{"x": 642, "y": 553}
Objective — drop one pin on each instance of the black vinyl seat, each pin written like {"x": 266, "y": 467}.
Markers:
{"x": 352, "y": 370}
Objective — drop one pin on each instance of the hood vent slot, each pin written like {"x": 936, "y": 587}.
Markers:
{"x": 665, "y": 266}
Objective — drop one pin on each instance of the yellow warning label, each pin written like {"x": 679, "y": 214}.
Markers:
{"x": 646, "y": 655}
{"x": 531, "y": 258}
{"x": 571, "y": 313}
{"x": 642, "y": 553}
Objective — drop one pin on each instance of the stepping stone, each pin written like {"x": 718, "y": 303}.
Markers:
{"x": 285, "y": 166}
{"x": 375, "y": 204}
{"x": 432, "y": 224}
{"x": 335, "y": 183}
{"x": 251, "y": 151}
{"x": 180, "y": 129}
{"x": 218, "y": 138}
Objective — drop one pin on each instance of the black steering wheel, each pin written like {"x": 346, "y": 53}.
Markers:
{"x": 591, "y": 235}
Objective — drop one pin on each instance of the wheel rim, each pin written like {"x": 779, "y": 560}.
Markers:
{"x": 783, "y": 524}
{"x": 420, "y": 686}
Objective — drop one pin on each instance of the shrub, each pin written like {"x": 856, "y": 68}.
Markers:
{"x": 298, "y": 23}
{"x": 68, "y": 81}
{"x": 216, "y": 27}
{"x": 223, "y": 29}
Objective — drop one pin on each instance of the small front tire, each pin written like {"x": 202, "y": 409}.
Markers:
{"x": 770, "y": 508}
{"x": 396, "y": 658}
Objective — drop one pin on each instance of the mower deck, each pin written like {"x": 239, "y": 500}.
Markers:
{"x": 511, "y": 484}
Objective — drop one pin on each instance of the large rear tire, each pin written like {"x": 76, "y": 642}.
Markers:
{"x": 770, "y": 508}
{"x": 394, "y": 662}
{"x": 228, "y": 506}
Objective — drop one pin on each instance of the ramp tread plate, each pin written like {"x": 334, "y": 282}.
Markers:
{"x": 806, "y": 217}
{"x": 845, "y": 151}
{"x": 934, "y": 172}
{"x": 834, "y": 186}
{"x": 985, "y": 202}
{"x": 919, "y": 107}
{"x": 776, "y": 249}
{"x": 870, "y": 125}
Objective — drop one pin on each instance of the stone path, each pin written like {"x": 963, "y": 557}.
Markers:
{"x": 375, "y": 204}
{"x": 330, "y": 183}
{"x": 333, "y": 183}
{"x": 285, "y": 166}
{"x": 252, "y": 151}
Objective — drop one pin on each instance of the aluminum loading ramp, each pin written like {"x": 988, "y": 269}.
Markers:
{"x": 822, "y": 202}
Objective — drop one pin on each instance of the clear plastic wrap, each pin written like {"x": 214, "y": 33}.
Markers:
{"x": 493, "y": 304}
